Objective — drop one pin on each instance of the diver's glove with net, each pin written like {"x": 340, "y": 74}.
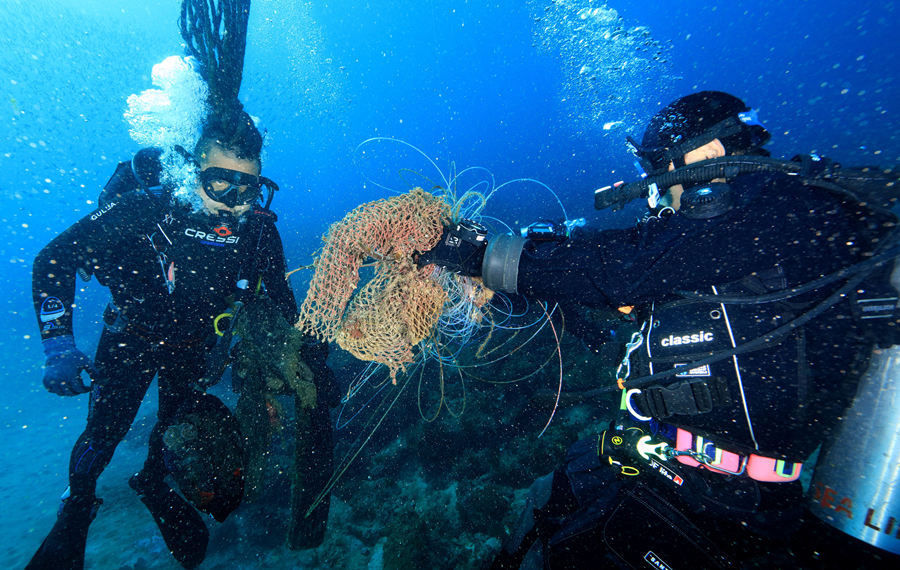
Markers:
{"x": 63, "y": 366}
{"x": 460, "y": 250}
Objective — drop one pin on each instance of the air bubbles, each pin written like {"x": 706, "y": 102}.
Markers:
{"x": 172, "y": 116}
{"x": 604, "y": 59}
{"x": 174, "y": 113}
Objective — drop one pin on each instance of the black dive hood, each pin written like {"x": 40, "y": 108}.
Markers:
{"x": 870, "y": 184}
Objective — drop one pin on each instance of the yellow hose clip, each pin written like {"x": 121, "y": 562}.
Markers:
{"x": 219, "y": 318}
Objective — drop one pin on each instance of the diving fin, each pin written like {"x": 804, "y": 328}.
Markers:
{"x": 179, "y": 523}
{"x": 64, "y": 546}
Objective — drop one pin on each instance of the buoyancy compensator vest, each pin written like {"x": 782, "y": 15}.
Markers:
{"x": 724, "y": 399}
{"x": 855, "y": 487}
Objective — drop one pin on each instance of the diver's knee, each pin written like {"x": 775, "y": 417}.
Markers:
{"x": 91, "y": 454}
{"x": 539, "y": 495}
{"x": 540, "y": 490}
{"x": 534, "y": 558}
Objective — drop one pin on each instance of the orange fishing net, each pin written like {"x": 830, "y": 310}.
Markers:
{"x": 401, "y": 304}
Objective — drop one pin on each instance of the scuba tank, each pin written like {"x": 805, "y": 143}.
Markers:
{"x": 856, "y": 484}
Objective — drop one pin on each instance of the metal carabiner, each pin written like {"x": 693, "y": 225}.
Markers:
{"x": 637, "y": 339}
{"x": 705, "y": 460}
{"x": 707, "y": 463}
{"x": 698, "y": 456}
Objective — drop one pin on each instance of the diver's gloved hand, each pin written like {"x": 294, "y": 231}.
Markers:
{"x": 460, "y": 250}
{"x": 63, "y": 366}
{"x": 314, "y": 353}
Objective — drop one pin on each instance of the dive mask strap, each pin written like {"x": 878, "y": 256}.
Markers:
{"x": 271, "y": 187}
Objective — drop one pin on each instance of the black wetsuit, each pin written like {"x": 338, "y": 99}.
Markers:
{"x": 170, "y": 272}
{"x": 784, "y": 400}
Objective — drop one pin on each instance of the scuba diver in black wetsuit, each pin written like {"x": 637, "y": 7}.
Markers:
{"x": 759, "y": 288}
{"x": 171, "y": 268}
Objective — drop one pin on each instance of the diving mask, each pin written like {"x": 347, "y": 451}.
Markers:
{"x": 232, "y": 187}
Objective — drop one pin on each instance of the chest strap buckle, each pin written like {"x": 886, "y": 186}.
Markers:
{"x": 689, "y": 398}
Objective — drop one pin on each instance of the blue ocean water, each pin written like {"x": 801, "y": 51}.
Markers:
{"x": 540, "y": 89}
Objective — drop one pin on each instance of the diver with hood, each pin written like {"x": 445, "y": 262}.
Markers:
{"x": 172, "y": 267}
{"x": 757, "y": 289}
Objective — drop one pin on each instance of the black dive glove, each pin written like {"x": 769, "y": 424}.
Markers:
{"x": 461, "y": 249}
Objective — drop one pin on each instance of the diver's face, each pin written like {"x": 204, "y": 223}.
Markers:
{"x": 712, "y": 149}
{"x": 218, "y": 157}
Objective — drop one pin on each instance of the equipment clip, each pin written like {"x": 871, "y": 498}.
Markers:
{"x": 624, "y": 369}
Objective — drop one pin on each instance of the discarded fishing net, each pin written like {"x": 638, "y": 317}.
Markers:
{"x": 400, "y": 306}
